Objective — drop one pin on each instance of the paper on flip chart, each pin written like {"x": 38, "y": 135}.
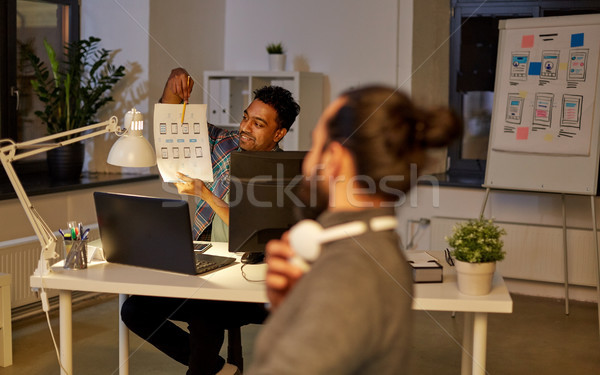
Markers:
{"x": 182, "y": 146}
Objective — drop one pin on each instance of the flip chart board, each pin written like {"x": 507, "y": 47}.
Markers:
{"x": 545, "y": 131}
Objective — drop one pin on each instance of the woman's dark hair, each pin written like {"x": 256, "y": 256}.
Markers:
{"x": 386, "y": 134}
{"x": 282, "y": 101}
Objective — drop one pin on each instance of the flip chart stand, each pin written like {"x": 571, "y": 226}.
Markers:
{"x": 565, "y": 254}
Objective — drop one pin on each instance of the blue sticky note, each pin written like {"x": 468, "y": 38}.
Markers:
{"x": 577, "y": 40}
{"x": 535, "y": 68}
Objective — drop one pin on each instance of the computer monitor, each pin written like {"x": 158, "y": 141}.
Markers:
{"x": 262, "y": 197}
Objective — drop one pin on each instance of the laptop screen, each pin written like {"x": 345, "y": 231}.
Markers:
{"x": 145, "y": 231}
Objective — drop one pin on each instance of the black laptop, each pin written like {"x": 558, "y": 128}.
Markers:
{"x": 150, "y": 232}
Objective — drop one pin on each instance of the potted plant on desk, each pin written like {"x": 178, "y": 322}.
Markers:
{"x": 276, "y": 56}
{"x": 476, "y": 248}
{"x": 78, "y": 87}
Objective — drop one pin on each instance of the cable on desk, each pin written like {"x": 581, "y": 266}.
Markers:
{"x": 246, "y": 277}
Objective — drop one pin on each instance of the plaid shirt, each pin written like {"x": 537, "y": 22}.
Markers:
{"x": 222, "y": 144}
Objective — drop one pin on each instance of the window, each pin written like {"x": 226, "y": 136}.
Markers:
{"x": 473, "y": 49}
{"x": 29, "y": 22}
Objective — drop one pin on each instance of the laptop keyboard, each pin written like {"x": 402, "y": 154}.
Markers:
{"x": 206, "y": 262}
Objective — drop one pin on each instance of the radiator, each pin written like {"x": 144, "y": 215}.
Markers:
{"x": 535, "y": 252}
{"x": 19, "y": 258}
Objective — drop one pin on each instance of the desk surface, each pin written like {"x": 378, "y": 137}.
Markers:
{"x": 446, "y": 297}
{"x": 228, "y": 284}
{"x": 225, "y": 284}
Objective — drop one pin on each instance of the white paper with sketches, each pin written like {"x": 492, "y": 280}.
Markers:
{"x": 182, "y": 146}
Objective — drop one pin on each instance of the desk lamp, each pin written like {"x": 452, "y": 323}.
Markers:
{"x": 130, "y": 150}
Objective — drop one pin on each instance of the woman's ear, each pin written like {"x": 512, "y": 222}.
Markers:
{"x": 333, "y": 158}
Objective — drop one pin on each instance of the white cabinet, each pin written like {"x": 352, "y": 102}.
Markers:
{"x": 228, "y": 93}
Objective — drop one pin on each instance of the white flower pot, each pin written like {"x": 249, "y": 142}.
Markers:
{"x": 276, "y": 62}
{"x": 475, "y": 279}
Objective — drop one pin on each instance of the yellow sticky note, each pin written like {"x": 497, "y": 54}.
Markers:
{"x": 548, "y": 137}
{"x": 563, "y": 66}
{"x": 523, "y": 94}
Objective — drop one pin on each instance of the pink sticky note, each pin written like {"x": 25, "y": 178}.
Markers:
{"x": 527, "y": 41}
{"x": 523, "y": 133}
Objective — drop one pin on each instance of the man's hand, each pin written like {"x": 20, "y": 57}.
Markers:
{"x": 281, "y": 274}
{"x": 191, "y": 186}
{"x": 177, "y": 87}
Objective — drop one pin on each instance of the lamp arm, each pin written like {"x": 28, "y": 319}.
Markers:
{"x": 42, "y": 231}
{"x": 8, "y": 154}
{"x": 40, "y": 145}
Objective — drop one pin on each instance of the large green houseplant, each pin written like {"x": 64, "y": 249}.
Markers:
{"x": 477, "y": 246}
{"x": 72, "y": 89}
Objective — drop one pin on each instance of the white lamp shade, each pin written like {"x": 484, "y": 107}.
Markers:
{"x": 132, "y": 151}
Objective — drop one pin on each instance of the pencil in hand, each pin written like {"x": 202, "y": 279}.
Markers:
{"x": 184, "y": 103}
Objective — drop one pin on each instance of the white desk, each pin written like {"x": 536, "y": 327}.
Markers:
{"x": 226, "y": 284}
{"x": 446, "y": 297}
{"x": 229, "y": 285}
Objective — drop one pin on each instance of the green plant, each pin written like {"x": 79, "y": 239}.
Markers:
{"x": 477, "y": 241}
{"x": 78, "y": 87}
{"x": 275, "y": 48}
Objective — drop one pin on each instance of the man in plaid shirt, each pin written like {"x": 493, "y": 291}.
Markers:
{"x": 265, "y": 122}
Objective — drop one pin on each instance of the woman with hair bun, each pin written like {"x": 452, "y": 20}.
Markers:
{"x": 348, "y": 309}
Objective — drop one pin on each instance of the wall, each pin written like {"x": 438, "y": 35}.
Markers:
{"x": 123, "y": 28}
{"x": 429, "y": 73}
{"x": 19, "y": 247}
{"x": 190, "y": 36}
{"x": 431, "y": 51}
{"x": 537, "y": 209}
{"x": 149, "y": 38}
{"x": 350, "y": 42}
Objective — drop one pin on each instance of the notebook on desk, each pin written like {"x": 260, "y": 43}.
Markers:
{"x": 150, "y": 232}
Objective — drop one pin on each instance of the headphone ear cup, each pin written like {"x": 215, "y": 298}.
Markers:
{"x": 305, "y": 239}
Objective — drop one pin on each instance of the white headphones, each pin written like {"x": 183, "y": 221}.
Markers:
{"x": 307, "y": 236}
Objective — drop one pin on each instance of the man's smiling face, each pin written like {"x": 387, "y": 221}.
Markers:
{"x": 259, "y": 129}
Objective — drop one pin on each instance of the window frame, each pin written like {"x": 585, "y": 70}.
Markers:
{"x": 8, "y": 74}
{"x": 8, "y": 67}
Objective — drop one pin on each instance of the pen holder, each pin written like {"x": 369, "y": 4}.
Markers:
{"x": 75, "y": 254}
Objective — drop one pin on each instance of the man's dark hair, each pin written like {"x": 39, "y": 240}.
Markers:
{"x": 282, "y": 101}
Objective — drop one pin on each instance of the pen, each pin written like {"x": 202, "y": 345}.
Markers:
{"x": 184, "y": 103}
